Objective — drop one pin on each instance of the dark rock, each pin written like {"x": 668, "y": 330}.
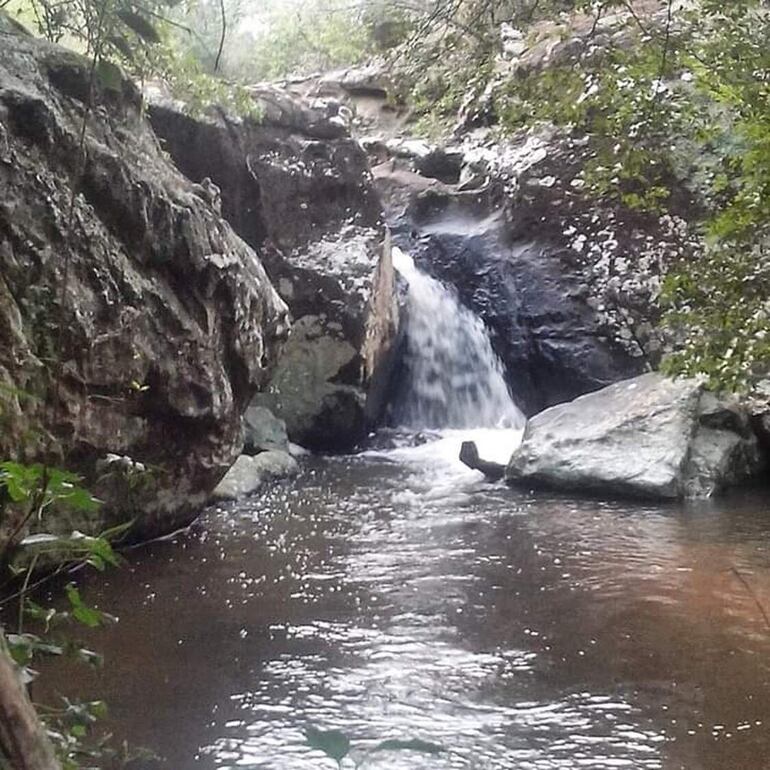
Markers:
{"x": 647, "y": 437}
{"x": 305, "y": 198}
{"x": 761, "y": 425}
{"x": 527, "y": 292}
{"x": 167, "y": 323}
{"x": 398, "y": 438}
{"x": 442, "y": 163}
{"x": 469, "y": 455}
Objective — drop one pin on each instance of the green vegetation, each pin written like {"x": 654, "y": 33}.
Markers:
{"x": 29, "y": 495}
{"x": 336, "y": 745}
{"x": 674, "y": 105}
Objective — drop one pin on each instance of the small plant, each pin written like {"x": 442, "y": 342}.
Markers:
{"x": 27, "y": 494}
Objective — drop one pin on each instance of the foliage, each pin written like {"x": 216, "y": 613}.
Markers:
{"x": 69, "y": 723}
{"x": 147, "y": 40}
{"x": 296, "y": 38}
{"x": 675, "y": 109}
{"x": 27, "y": 494}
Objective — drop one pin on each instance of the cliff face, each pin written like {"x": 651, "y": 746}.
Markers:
{"x": 296, "y": 186}
{"x": 133, "y": 320}
{"x": 568, "y": 283}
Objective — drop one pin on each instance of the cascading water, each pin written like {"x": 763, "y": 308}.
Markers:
{"x": 452, "y": 377}
{"x": 451, "y": 383}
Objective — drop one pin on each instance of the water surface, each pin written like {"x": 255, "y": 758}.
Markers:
{"x": 391, "y": 596}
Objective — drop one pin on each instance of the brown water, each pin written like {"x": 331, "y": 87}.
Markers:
{"x": 390, "y": 600}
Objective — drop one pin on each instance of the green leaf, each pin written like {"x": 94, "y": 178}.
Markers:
{"x": 410, "y": 744}
{"x": 98, "y": 709}
{"x": 44, "y": 615}
{"x": 80, "y": 499}
{"x": 139, "y": 25}
{"x": 333, "y": 743}
{"x": 84, "y": 614}
{"x": 24, "y": 646}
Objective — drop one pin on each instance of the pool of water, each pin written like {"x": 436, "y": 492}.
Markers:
{"x": 400, "y": 595}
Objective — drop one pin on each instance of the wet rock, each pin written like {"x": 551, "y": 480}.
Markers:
{"x": 306, "y": 200}
{"x": 250, "y": 473}
{"x": 648, "y": 437}
{"x": 167, "y": 323}
{"x": 263, "y": 431}
{"x": 469, "y": 455}
{"x": 527, "y": 287}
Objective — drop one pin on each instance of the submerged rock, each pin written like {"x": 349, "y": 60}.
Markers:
{"x": 249, "y": 474}
{"x": 296, "y": 185}
{"x": 649, "y": 437}
{"x": 134, "y": 323}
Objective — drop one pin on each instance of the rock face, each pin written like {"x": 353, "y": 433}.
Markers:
{"x": 133, "y": 320}
{"x": 530, "y": 289}
{"x": 567, "y": 282}
{"x": 647, "y": 437}
{"x": 297, "y": 187}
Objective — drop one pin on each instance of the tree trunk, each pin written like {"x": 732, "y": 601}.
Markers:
{"x": 24, "y": 744}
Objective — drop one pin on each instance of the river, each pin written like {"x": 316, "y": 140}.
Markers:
{"x": 396, "y": 594}
{"x": 386, "y": 600}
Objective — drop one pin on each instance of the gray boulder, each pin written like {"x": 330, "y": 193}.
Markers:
{"x": 167, "y": 323}
{"x": 249, "y": 474}
{"x": 263, "y": 431}
{"x": 649, "y": 437}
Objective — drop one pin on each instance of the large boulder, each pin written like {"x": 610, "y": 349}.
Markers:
{"x": 649, "y": 437}
{"x": 134, "y": 323}
{"x": 295, "y": 185}
{"x": 263, "y": 431}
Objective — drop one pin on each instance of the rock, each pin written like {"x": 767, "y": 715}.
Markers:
{"x": 442, "y": 163}
{"x": 310, "y": 206}
{"x": 648, "y": 437}
{"x": 761, "y": 424}
{"x": 469, "y": 455}
{"x": 166, "y": 326}
{"x": 263, "y": 431}
{"x": 528, "y": 289}
{"x": 568, "y": 283}
{"x": 250, "y": 473}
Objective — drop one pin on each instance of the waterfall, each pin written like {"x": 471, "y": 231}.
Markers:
{"x": 451, "y": 377}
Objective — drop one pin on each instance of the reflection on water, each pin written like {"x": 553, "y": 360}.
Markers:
{"x": 387, "y": 599}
